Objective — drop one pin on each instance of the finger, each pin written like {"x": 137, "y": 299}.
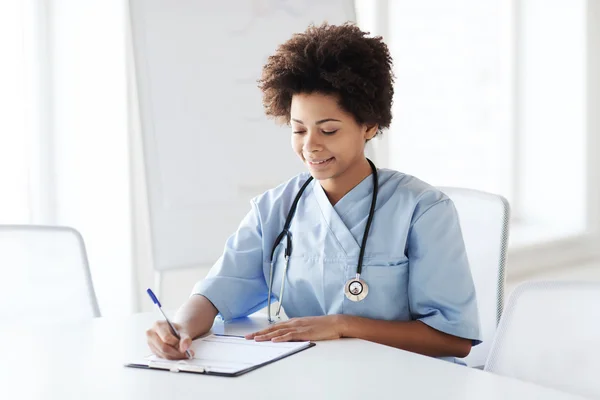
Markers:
{"x": 170, "y": 353}
{"x": 271, "y": 335}
{"x": 152, "y": 339}
{"x": 185, "y": 343}
{"x": 261, "y": 332}
{"x": 271, "y": 328}
{"x": 163, "y": 330}
{"x": 168, "y": 356}
{"x": 155, "y": 350}
{"x": 288, "y": 337}
{"x": 165, "y": 350}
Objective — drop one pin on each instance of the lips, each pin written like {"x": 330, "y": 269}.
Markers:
{"x": 319, "y": 162}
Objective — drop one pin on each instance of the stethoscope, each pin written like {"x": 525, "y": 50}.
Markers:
{"x": 356, "y": 289}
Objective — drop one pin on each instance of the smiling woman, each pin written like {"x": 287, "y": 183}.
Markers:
{"x": 330, "y": 141}
{"x": 351, "y": 250}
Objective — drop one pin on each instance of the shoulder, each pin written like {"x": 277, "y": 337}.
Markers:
{"x": 281, "y": 196}
{"x": 411, "y": 192}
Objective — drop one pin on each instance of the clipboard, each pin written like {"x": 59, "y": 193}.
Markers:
{"x": 225, "y": 355}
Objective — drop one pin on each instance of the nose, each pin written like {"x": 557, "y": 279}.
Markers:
{"x": 312, "y": 142}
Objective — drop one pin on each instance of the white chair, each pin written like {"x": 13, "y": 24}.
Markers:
{"x": 550, "y": 335}
{"x": 44, "y": 275}
{"x": 484, "y": 219}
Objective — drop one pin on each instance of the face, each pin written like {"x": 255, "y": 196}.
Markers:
{"x": 326, "y": 138}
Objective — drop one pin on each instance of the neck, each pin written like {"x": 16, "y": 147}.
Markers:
{"x": 337, "y": 187}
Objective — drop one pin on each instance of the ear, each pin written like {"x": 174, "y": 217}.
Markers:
{"x": 371, "y": 131}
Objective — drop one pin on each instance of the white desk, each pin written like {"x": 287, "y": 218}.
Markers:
{"x": 85, "y": 361}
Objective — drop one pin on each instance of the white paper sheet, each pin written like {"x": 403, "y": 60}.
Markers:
{"x": 229, "y": 354}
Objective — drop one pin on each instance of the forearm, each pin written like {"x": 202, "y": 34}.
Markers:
{"x": 413, "y": 336}
{"x": 196, "y": 315}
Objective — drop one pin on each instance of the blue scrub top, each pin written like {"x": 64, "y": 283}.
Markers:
{"x": 415, "y": 261}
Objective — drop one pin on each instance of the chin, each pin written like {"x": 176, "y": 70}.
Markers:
{"x": 322, "y": 175}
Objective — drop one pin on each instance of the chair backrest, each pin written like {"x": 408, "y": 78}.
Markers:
{"x": 549, "y": 334}
{"x": 484, "y": 221}
{"x": 44, "y": 275}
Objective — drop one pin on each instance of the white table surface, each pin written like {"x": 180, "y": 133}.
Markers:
{"x": 85, "y": 361}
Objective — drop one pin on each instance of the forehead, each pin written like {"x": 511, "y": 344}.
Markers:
{"x": 315, "y": 106}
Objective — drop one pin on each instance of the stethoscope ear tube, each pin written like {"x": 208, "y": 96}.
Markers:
{"x": 270, "y": 292}
{"x": 288, "y": 250}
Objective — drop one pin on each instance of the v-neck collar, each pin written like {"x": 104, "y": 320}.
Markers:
{"x": 357, "y": 194}
{"x": 332, "y": 214}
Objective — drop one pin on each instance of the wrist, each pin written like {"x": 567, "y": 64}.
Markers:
{"x": 343, "y": 323}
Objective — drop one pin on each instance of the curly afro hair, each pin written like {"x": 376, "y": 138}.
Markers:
{"x": 338, "y": 60}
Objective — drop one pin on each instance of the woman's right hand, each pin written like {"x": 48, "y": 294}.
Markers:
{"x": 164, "y": 344}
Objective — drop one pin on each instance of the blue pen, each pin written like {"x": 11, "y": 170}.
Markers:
{"x": 155, "y": 300}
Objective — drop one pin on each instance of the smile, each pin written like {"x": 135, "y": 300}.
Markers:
{"x": 320, "y": 162}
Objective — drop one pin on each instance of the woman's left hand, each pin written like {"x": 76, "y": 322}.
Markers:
{"x": 302, "y": 329}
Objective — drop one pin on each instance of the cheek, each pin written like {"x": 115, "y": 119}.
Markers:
{"x": 357, "y": 144}
{"x": 296, "y": 141}
{"x": 342, "y": 147}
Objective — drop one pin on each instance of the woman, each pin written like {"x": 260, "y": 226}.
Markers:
{"x": 374, "y": 254}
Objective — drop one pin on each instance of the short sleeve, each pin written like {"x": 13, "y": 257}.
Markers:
{"x": 441, "y": 290}
{"x": 236, "y": 284}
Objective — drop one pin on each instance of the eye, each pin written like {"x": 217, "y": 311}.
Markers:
{"x": 329, "y": 132}
{"x": 298, "y": 132}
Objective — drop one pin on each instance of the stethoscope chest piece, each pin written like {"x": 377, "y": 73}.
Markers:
{"x": 356, "y": 289}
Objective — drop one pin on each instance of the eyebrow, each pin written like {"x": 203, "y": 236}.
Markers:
{"x": 318, "y": 122}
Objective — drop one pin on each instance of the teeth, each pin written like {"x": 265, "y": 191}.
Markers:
{"x": 319, "y": 162}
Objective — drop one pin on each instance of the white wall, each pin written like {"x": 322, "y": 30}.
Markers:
{"x": 89, "y": 139}
{"x": 176, "y": 284}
